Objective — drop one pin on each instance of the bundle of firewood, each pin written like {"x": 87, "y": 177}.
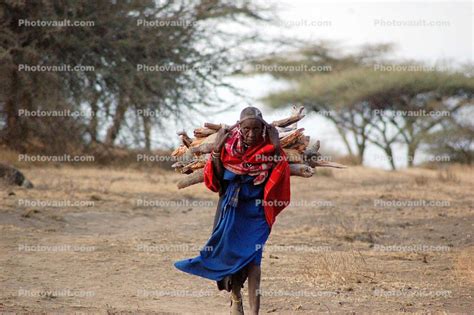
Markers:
{"x": 193, "y": 153}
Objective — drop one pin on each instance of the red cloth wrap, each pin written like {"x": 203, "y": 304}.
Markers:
{"x": 277, "y": 189}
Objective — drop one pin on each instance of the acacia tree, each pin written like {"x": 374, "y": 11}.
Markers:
{"x": 326, "y": 95}
{"x": 189, "y": 40}
{"x": 408, "y": 105}
{"x": 453, "y": 142}
{"x": 317, "y": 73}
{"x": 374, "y": 106}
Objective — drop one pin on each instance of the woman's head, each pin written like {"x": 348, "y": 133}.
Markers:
{"x": 252, "y": 126}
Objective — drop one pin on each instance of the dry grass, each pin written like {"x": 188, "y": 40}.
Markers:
{"x": 343, "y": 267}
{"x": 349, "y": 226}
{"x": 325, "y": 172}
{"x": 464, "y": 265}
{"x": 448, "y": 175}
{"x": 421, "y": 180}
{"x": 8, "y": 156}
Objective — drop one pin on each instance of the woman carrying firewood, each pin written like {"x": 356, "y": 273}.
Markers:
{"x": 251, "y": 173}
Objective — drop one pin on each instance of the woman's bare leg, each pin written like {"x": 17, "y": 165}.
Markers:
{"x": 236, "y": 286}
{"x": 254, "y": 273}
{"x": 236, "y": 297}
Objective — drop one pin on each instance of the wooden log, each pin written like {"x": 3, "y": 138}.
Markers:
{"x": 193, "y": 153}
{"x": 283, "y": 134}
{"x": 178, "y": 166}
{"x": 194, "y": 178}
{"x": 296, "y": 116}
{"x": 185, "y": 139}
{"x": 311, "y": 155}
{"x": 198, "y": 141}
{"x": 203, "y": 132}
{"x": 197, "y": 176}
{"x": 323, "y": 163}
{"x": 293, "y": 156}
{"x": 291, "y": 138}
{"x": 300, "y": 144}
{"x": 302, "y": 170}
{"x": 199, "y": 164}
{"x": 179, "y": 151}
{"x": 198, "y": 147}
{"x": 194, "y": 164}
{"x": 215, "y": 127}
{"x": 285, "y": 129}
{"x": 203, "y": 148}
{"x": 185, "y": 158}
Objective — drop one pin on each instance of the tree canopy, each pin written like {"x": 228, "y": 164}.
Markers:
{"x": 373, "y": 101}
{"x": 166, "y": 57}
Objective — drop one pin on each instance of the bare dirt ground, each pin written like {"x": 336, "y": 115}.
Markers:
{"x": 351, "y": 242}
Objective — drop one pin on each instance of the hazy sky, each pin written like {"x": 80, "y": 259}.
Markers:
{"x": 438, "y": 30}
{"x": 423, "y": 30}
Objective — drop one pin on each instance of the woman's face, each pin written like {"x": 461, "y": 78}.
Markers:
{"x": 252, "y": 130}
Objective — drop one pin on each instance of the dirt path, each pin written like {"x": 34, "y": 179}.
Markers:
{"x": 352, "y": 241}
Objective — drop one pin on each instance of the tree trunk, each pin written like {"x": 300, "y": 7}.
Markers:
{"x": 344, "y": 139}
{"x": 16, "y": 131}
{"x": 389, "y": 153}
{"x": 411, "y": 154}
{"x": 361, "y": 149}
{"x": 360, "y": 145}
{"x": 94, "y": 120}
{"x": 147, "y": 132}
{"x": 117, "y": 121}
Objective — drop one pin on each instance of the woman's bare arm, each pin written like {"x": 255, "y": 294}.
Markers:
{"x": 218, "y": 168}
{"x": 222, "y": 135}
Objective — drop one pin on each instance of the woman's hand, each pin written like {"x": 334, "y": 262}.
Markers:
{"x": 221, "y": 137}
{"x": 274, "y": 138}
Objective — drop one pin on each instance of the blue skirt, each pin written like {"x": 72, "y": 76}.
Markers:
{"x": 239, "y": 235}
